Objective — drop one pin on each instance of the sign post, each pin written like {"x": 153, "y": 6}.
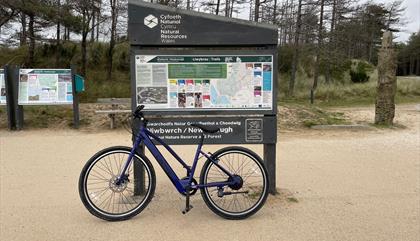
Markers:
{"x": 189, "y": 67}
{"x": 76, "y": 118}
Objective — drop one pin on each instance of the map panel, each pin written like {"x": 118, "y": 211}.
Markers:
{"x": 204, "y": 82}
{"x": 45, "y": 86}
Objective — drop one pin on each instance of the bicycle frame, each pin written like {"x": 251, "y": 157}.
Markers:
{"x": 145, "y": 136}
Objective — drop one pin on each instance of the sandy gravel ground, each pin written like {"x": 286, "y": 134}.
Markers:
{"x": 361, "y": 185}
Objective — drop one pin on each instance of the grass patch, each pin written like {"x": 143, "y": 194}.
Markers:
{"x": 386, "y": 126}
{"x": 48, "y": 116}
{"x": 315, "y": 116}
{"x": 345, "y": 93}
{"x": 292, "y": 200}
{"x": 294, "y": 115}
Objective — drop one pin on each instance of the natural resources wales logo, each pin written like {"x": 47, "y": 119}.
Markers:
{"x": 151, "y": 21}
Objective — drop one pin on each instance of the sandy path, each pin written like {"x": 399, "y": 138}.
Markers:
{"x": 349, "y": 186}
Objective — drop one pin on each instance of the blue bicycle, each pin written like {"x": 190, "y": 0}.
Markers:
{"x": 117, "y": 183}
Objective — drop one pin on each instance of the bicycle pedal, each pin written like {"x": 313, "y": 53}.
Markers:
{"x": 186, "y": 210}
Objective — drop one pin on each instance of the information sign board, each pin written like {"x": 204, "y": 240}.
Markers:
{"x": 233, "y": 130}
{"x": 189, "y": 67}
{"x": 2, "y": 88}
{"x": 45, "y": 86}
{"x": 204, "y": 82}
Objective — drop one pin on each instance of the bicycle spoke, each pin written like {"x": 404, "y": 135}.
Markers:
{"x": 103, "y": 190}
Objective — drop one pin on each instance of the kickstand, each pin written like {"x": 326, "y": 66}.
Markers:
{"x": 188, "y": 207}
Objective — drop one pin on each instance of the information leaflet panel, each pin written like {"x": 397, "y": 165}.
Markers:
{"x": 204, "y": 82}
{"x": 2, "y": 88}
{"x": 233, "y": 130}
{"x": 45, "y": 87}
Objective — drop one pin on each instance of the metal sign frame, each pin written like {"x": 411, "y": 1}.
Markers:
{"x": 206, "y": 34}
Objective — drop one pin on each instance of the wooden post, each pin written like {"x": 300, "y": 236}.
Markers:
{"x": 11, "y": 103}
{"x": 387, "y": 82}
{"x": 76, "y": 115}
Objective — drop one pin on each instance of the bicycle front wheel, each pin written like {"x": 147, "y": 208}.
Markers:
{"x": 108, "y": 199}
{"x": 235, "y": 201}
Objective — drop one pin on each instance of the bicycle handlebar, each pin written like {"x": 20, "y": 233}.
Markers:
{"x": 137, "y": 113}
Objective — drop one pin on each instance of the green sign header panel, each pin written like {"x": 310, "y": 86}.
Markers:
{"x": 45, "y": 87}
{"x": 2, "y": 88}
{"x": 204, "y": 82}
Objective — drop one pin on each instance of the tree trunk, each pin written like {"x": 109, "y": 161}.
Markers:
{"x": 23, "y": 36}
{"x": 84, "y": 54}
{"x": 114, "y": 18}
{"x": 257, "y": 10}
{"x": 85, "y": 32}
{"x": 412, "y": 65}
{"x": 232, "y": 2}
{"x": 226, "y": 8}
{"x": 250, "y": 10}
{"x": 58, "y": 45}
{"x": 217, "y": 7}
{"x": 285, "y": 17}
{"x": 98, "y": 20}
{"x": 331, "y": 41}
{"x": 57, "y": 41}
{"x": 387, "y": 82}
{"x": 274, "y": 20}
{"x": 92, "y": 33}
{"x": 296, "y": 50}
{"x": 370, "y": 48}
{"x": 31, "y": 51}
{"x": 318, "y": 53}
{"x": 291, "y": 25}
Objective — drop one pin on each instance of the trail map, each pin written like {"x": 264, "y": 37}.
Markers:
{"x": 45, "y": 86}
{"x": 204, "y": 82}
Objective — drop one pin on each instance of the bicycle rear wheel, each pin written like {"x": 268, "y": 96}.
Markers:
{"x": 240, "y": 201}
{"x": 107, "y": 199}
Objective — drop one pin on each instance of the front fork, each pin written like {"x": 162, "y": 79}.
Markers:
{"x": 122, "y": 177}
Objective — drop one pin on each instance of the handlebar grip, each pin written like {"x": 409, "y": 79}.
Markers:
{"x": 138, "y": 110}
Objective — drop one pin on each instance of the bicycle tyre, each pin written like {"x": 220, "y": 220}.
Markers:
{"x": 211, "y": 199}
{"x": 96, "y": 209}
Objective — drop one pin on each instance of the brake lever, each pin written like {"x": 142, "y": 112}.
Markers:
{"x": 137, "y": 112}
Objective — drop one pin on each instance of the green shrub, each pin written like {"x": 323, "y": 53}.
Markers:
{"x": 97, "y": 54}
{"x": 360, "y": 74}
{"x": 285, "y": 57}
{"x": 358, "y": 77}
{"x": 122, "y": 57}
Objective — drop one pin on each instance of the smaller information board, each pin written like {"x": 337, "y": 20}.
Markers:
{"x": 45, "y": 86}
{"x": 2, "y": 88}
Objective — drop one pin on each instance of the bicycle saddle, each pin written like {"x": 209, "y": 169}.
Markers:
{"x": 206, "y": 129}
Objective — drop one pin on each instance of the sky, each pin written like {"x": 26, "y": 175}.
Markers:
{"x": 411, "y": 16}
